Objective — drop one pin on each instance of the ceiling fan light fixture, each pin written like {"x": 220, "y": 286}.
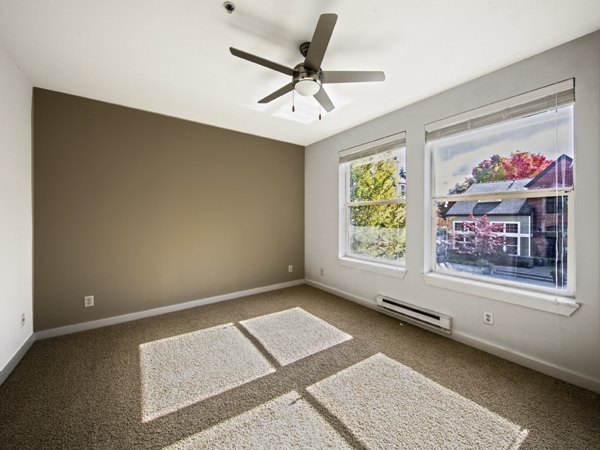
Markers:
{"x": 307, "y": 87}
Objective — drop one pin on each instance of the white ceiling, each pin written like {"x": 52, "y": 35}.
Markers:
{"x": 172, "y": 57}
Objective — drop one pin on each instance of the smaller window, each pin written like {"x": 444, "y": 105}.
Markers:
{"x": 374, "y": 210}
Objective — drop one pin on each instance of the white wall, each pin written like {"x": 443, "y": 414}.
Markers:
{"x": 15, "y": 210}
{"x": 566, "y": 347}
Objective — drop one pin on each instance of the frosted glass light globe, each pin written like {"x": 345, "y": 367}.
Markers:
{"x": 307, "y": 87}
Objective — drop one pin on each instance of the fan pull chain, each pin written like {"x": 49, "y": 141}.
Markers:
{"x": 293, "y": 106}
{"x": 320, "y": 112}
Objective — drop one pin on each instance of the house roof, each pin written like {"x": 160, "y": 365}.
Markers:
{"x": 513, "y": 206}
{"x": 498, "y": 186}
{"x": 540, "y": 175}
{"x": 517, "y": 206}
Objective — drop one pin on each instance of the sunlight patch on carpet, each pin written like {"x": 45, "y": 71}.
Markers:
{"x": 181, "y": 370}
{"x": 293, "y": 334}
{"x": 388, "y": 405}
{"x": 286, "y": 422}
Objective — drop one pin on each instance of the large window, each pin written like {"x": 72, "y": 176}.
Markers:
{"x": 503, "y": 189}
{"x": 373, "y": 216}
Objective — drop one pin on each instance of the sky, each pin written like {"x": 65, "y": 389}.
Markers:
{"x": 549, "y": 133}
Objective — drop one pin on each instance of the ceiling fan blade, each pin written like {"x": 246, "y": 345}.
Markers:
{"x": 324, "y": 100}
{"x": 332, "y": 76}
{"x": 261, "y": 61}
{"x": 278, "y": 93}
{"x": 320, "y": 41}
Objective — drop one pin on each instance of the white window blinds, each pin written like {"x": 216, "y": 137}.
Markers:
{"x": 533, "y": 102}
{"x": 373, "y": 147}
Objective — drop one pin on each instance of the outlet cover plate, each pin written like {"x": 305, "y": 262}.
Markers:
{"x": 488, "y": 318}
{"x": 88, "y": 301}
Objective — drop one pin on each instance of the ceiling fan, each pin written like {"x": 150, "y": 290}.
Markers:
{"x": 308, "y": 77}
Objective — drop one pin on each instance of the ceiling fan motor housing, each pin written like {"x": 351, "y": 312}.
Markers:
{"x": 307, "y": 82}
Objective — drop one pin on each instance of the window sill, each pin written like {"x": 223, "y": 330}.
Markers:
{"x": 383, "y": 269}
{"x": 563, "y": 306}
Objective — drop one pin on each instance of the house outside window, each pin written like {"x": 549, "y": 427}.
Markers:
{"x": 510, "y": 231}
{"x": 502, "y": 181}
{"x": 373, "y": 203}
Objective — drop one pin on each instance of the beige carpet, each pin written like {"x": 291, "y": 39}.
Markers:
{"x": 285, "y": 422}
{"x": 387, "y": 405}
{"x": 191, "y": 367}
{"x": 293, "y": 334}
{"x": 92, "y": 390}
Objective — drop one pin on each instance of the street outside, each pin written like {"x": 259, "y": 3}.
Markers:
{"x": 537, "y": 275}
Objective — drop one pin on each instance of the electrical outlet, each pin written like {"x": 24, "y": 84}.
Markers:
{"x": 290, "y": 268}
{"x": 22, "y": 319}
{"x": 322, "y": 272}
{"x": 88, "y": 301}
{"x": 488, "y": 318}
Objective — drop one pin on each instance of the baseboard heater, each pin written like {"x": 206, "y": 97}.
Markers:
{"x": 416, "y": 315}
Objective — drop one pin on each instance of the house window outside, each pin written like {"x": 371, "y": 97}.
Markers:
{"x": 373, "y": 178}
{"x": 511, "y": 246}
{"x": 554, "y": 205}
{"x": 502, "y": 178}
{"x": 507, "y": 232}
{"x": 512, "y": 238}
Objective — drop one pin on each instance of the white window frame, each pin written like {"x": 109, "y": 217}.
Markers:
{"x": 536, "y": 297}
{"x": 517, "y": 235}
{"x": 345, "y": 258}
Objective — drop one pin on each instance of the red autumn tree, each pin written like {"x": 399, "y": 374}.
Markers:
{"x": 524, "y": 165}
{"x": 479, "y": 237}
{"x": 499, "y": 168}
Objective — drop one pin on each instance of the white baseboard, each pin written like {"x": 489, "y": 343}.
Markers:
{"x": 5, "y": 372}
{"x": 528, "y": 361}
{"x": 348, "y": 296}
{"x": 505, "y": 353}
{"x": 75, "y": 328}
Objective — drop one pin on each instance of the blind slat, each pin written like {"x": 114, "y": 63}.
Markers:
{"x": 373, "y": 148}
{"x": 539, "y": 105}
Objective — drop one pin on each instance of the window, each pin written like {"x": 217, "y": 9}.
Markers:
{"x": 373, "y": 216}
{"x": 507, "y": 233}
{"x": 554, "y": 205}
{"x": 512, "y": 237}
{"x": 502, "y": 177}
{"x": 511, "y": 246}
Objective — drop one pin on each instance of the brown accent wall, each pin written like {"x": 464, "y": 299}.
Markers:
{"x": 142, "y": 210}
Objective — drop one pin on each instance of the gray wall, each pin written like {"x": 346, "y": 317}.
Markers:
{"x": 567, "y": 347}
{"x": 143, "y": 211}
